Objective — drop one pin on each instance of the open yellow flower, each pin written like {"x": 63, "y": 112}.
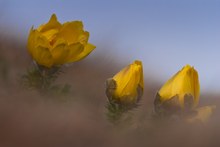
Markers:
{"x": 127, "y": 85}
{"x": 181, "y": 91}
{"x": 54, "y": 43}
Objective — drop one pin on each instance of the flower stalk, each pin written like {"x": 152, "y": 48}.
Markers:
{"x": 40, "y": 78}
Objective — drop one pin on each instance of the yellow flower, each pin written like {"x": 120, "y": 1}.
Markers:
{"x": 184, "y": 86}
{"x": 202, "y": 114}
{"x": 127, "y": 85}
{"x": 54, "y": 43}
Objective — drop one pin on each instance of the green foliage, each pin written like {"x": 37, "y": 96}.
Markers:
{"x": 115, "y": 112}
{"x": 42, "y": 79}
{"x": 119, "y": 113}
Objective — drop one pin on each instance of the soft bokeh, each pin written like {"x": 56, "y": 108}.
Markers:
{"x": 164, "y": 35}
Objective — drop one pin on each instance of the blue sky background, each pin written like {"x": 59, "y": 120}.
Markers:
{"x": 164, "y": 34}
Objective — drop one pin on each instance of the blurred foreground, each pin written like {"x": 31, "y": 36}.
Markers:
{"x": 28, "y": 119}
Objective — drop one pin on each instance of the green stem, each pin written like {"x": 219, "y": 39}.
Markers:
{"x": 40, "y": 78}
{"x": 117, "y": 113}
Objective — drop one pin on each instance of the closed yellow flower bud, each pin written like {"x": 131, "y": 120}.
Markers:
{"x": 127, "y": 85}
{"x": 182, "y": 90}
{"x": 54, "y": 43}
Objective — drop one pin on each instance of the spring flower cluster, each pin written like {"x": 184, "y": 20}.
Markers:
{"x": 53, "y": 44}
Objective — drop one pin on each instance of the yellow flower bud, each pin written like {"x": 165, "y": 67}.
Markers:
{"x": 181, "y": 90}
{"x": 127, "y": 85}
{"x": 54, "y": 43}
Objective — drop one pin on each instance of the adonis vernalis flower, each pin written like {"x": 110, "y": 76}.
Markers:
{"x": 124, "y": 91}
{"x": 127, "y": 85}
{"x": 54, "y": 44}
{"x": 179, "y": 92}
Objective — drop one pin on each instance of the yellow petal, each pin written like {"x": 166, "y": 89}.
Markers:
{"x": 50, "y": 29}
{"x": 63, "y": 53}
{"x": 182, "y": 83}
{"x": 128, "y": 80}
{"x": 35, "y": 39}
{"x": 71, "y": 31}
{"x": 78, "y": 52}
{"x": 58, "y": 42}
{"x": 52, "y": 24}
{"x": 83, "y": 38}
{"x": 59, "y": 54}
{"x": 203, "y": 114}
{"x": 38, "y": 47}
{"x": 43, "y": 56}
